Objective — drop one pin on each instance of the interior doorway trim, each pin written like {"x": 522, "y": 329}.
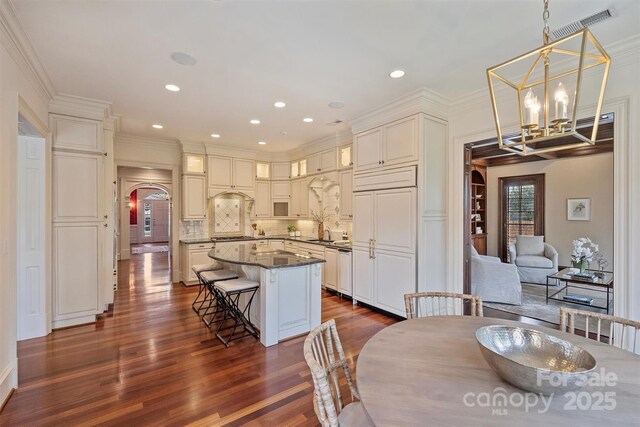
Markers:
{"x": 175, "y": 196}
{"x": 626, "y": 300}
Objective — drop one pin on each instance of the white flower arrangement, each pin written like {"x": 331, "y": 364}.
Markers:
{"x": 583, "y": 250}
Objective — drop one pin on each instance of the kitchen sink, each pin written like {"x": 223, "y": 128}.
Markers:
{"x": 330, "y": 242}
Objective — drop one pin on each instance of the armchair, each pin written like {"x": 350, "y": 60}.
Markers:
{"x": 534, "y": 258}
{"x": 494, "y": 280}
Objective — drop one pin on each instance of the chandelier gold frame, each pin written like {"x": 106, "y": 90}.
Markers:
{"x": 565, "y": 128}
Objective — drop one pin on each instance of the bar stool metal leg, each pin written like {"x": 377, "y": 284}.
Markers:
{"x": 230, "y": 293}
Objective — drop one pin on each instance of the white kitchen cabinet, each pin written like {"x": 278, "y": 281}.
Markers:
{"x": 78, "y": 186}
{"x": 345, "y": 157}
{"x": 366, "y": 150}
{"x": 263, "y": 170}
{"x": 384, "y": 251}
{"x": 346, "y": 195}
{"x": 389, "y": 145}
{"x": 194, "y": 197}
{"x": 291, "y": 246}
{"x": 193, "y": 254}
{"x": 300, "y": 198}
{"x": 331, "y": 268}
{"x": 363, "y": 274}
{"x": 315, "y": 251}
{"x": 345, "y": 284}
{"x": 77, "y": 134}
{"x": 76, "y": 272}
{"x": 277, "y": 244}
{"x": 328, "y": 160}
{"x": 280, "y": 189}
{"x": 280, "y": 171}
{"x": 295, "y": 169}
{"x": 262, "y": 203}
{"x": 313, "y": 163}
{"x": 193, "y": 163}
{"x": 231, "y": 173}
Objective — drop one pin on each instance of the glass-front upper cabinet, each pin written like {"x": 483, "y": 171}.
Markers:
{"x": 299, "y": 168}
{"x": 345, "y": 157}
{"x": 262, "y": 170}
{"x": 193, "y": 163}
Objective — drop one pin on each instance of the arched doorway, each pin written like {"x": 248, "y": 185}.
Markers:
{"x": 149, "y": 219}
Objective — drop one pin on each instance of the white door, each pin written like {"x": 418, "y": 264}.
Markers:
{"x": 153, "y": 221}
{"x": 160, "y": 213}
{"x": 32, "y": 316}
{"x": 262, "y": 206}
{"x": 331, "y": 268}
{"x": 346, "y": 195}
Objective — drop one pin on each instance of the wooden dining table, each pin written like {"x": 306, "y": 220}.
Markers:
{"x": 429, "y": 371}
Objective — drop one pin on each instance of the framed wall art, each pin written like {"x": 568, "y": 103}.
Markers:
{"x": 579, "y": 209}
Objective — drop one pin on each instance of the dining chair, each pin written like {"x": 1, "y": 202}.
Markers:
{"x": 630, "y": 328}
{"x": 424, "y": 304}
{"x": 325, "y": 357}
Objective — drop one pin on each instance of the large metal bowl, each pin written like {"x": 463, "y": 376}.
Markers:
{"x": 535, "y": 361}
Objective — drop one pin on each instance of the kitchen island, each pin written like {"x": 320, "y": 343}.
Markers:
{"x": 289, "y": 297}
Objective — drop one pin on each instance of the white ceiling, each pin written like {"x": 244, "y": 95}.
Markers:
{"x": 306, "y": 53}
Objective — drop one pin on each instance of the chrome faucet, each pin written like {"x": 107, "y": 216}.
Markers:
{"x": 327, "y": 232}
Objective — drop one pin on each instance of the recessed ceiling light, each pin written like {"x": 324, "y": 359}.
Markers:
{"x": 157, "y": 126}
{"x": 254, "y": 121}
{"x": 396, "y": 74}
{"x": 172, "y": 88}
{"x": 279, "y": 104}
{"x": 262, "y": 143}
{"x": 215, "y": 135}
{"x": 336, "y": 104}
{"x": 307, "y": 120}
{"x": 183, "y": 58}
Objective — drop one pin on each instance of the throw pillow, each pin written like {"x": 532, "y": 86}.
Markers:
{"x": 530, "y": 245}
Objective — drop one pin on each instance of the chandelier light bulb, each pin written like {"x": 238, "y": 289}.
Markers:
{"x": 532, "y": 108}
{"x": 562, "y": 101}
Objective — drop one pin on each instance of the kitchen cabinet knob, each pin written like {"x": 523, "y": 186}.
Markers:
{"x": 379, "y": 162}
{"x": 105, "y": 224}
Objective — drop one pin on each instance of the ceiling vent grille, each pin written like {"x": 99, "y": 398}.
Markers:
{"x": 334, "y": 123}
{"x": 583, "y": 23}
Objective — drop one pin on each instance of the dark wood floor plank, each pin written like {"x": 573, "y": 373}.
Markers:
{"x": 151, "y": 361}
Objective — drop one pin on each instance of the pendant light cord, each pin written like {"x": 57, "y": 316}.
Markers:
{"x": 545, "y": 18}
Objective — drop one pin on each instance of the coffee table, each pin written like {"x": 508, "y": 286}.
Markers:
{"x": 568, "y": 282}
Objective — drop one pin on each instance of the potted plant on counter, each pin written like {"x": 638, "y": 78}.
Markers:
{"x": 292, "y": 229}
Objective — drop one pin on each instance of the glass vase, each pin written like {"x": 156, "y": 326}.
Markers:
{"x": 580, "y": 265}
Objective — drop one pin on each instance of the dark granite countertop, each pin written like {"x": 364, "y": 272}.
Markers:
{"x": 244, "y": 253}
{"x": 310, "y": 240}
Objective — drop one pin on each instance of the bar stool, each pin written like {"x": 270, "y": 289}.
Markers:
{"x": 197, "y": 269}
{"x": 210, "y": 278}
{"x": 229, "y": 292}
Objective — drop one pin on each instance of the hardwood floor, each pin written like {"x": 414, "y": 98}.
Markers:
{"x": 151, "y": 361}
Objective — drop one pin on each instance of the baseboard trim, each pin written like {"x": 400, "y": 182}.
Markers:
{"x": 8, "y": 384}
{"x": 76, "y": 321}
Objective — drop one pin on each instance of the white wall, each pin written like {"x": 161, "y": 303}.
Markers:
{"x": 14, "y": 85}
{"x": 579, "y": 177}
{"x": 471, "y": 119}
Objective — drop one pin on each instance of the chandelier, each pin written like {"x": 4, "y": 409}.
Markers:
{"x": 574, "y": 68}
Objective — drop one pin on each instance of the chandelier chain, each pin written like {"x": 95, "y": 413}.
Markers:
{"x": 545, "y": 18}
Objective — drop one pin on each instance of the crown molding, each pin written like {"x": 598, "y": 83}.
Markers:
{"x": 422, "y": 100}
{"x": 147, "y": 143}
{"x": 17, "y": 43}
{"x": 195, "y": 147}
{"x": 77, "y": 106}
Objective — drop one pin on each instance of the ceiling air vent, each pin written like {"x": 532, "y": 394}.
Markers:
{"x": 583, "y": 23}
{"x": 336, "y": 122}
